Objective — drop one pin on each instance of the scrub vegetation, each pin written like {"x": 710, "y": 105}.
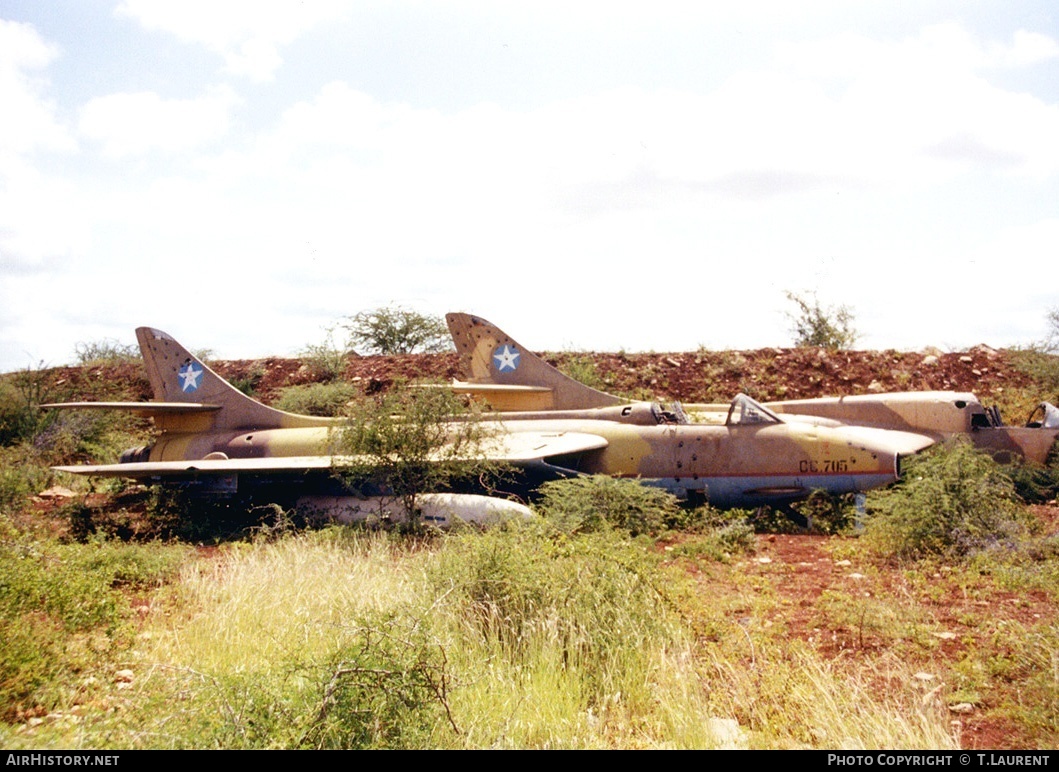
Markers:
{"x": 613, "y": 619}
{"x": 813, "y": 324}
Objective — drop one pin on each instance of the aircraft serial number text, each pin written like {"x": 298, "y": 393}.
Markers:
{"x": 827, "y": 466}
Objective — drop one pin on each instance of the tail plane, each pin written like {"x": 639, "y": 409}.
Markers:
{"x": 178, "y": 376}
{"x": 190, "y": 397}
{"x": 510, "y": 376}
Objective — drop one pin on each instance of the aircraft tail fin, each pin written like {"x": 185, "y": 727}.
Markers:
{"x": 178, "y": 376}
{"x": 491, "y": 358}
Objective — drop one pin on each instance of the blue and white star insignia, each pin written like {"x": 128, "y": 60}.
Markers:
{"x": 189, "y": 377}
{"x": 506, "y": 358}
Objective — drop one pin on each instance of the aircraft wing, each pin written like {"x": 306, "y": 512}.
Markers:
{"x": 516, "y": 448}
{"x": 152, "y": 469}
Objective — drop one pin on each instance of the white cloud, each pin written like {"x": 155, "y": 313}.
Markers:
{"x": 30, "y": 239}
{"x": 29, "y": 121}
{"x": 247, "y": 33}
{"x": 643, "y": 215}
{"x": 133, "y": 124}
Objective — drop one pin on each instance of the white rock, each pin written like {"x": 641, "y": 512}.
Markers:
{"x": 728, "y": 734}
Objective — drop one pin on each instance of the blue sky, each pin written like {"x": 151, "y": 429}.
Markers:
{"x": 586, "y": 175}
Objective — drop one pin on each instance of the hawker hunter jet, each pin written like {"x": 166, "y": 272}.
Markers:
{"x": 511, "y": 378}
{"x": 212, "y": 435}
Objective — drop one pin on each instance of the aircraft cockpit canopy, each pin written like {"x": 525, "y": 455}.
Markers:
{"x": 744, "y": 411}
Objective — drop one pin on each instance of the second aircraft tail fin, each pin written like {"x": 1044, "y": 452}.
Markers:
{"x": 500, "y": 369}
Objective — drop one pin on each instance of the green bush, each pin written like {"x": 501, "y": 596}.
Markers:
{"x": 386, "y": 688}
{"x": 594, "y": 503}
{"x": 321, "y": 399}
{"x": 23, "y": 472}
{"x": 326, "y": 360}
{"x": 49, "y": 594}
{"x": 952, "y": 501}
{"x": 583, "y": 369}
{"x": 249, "y": 382}
{"x": 1041, "y": 364}
{"x": 1034, "y": 483}
{"x": 21, "y": 395}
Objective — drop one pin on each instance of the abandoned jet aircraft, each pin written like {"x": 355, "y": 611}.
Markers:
{"x": 212, "y": 435}
{"x": 511, "y": 378}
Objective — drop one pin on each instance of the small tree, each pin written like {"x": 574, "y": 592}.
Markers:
{"x": 815, "y": 325}
{"x": 1051, "y": 343}
{"x": 409, "y": 441}
{"x": 397, "y": 330}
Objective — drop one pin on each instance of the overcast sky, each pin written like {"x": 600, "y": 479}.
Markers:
{"x": 638, "y": 176}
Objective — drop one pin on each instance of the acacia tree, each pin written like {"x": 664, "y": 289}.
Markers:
{"x": 413, "y": 440}
{"x": 815, "y": 325}
{"x": 394, "y": 329}
{"x": 1051, "y": 343}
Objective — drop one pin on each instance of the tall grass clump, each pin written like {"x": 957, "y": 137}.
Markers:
{"x": 1041, "y": 364}
{"x": 952, "y": 501}
{"x": 259, "y": 642}
{"x": 582, "y": 646}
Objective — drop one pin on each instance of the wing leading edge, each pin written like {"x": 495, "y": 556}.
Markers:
{"x": 517, "y": 449}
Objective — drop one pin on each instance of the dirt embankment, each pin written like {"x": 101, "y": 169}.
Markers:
{"x": 700, "y": 376}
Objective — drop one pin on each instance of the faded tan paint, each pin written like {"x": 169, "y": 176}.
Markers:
{"x": 261, "y": 443}
{"x": 942, "y": 413}
{"x": 479, "y": 345}
{"x": 752, "y": 458}
{"x": 164, "y": 360}
{"x": 936, "y": 415}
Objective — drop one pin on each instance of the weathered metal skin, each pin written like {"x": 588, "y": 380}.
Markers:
{"x": 209, "y": 430}
{"x": 733, "y": 465}
{"x": 176, "y": 376}
{"x": 490, "y": 358}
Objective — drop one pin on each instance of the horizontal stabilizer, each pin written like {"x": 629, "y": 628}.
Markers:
{"x": 499, "y": 388}
{"x": 508, "y": 397}
{"x": 140, "y": 408}
{"x": 489, "y": 356}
